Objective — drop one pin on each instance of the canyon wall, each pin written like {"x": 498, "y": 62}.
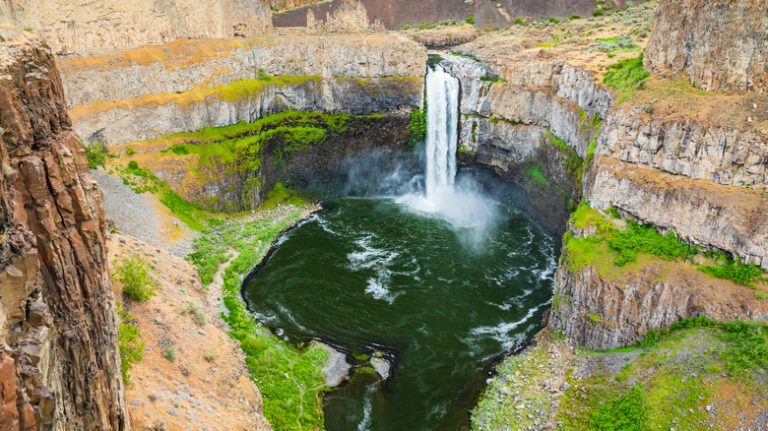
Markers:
{"x": 187, "y": 85}
{"x": 59, "y": 361}
{"x": 75, "y": 26}
{"x": 719, "y": 44}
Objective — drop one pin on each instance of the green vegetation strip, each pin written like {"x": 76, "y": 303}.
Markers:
{"x": 622, "y": 246}
{"x": 291, "y": 380}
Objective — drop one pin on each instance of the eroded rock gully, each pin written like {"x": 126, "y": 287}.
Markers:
{"x": 59, "y": 363}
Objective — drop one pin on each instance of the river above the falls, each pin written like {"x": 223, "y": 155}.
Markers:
{"x": 369, "y": 274}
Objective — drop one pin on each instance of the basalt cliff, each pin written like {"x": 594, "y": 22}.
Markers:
{"x": 60, "y": 364}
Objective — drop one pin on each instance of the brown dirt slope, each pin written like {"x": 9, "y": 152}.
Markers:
{"x": 207, "y": 386}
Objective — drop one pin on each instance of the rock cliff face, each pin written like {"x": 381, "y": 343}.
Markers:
{"x": 75, "y": 26}
{"x": 144, "y": 93}
{"x": 59, "y": 363}
{"x": 720, "y": 44}
{"x": 541, "y": 96}
{"x": 510, "y": 118}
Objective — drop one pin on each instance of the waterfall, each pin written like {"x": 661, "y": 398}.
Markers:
{"x": 460, "y": 201}
{"x": 442, "y": 127}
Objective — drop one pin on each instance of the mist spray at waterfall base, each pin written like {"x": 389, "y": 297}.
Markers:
{"x": 460, "y": 203}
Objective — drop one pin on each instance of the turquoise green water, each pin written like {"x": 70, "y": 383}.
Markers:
{"x": 445, "y": 305}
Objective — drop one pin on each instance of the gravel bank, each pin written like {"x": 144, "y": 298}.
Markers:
{"x": 138, "y": 216}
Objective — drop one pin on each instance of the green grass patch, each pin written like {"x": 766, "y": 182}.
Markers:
{"x": 294, "y": 406}
{"x": 626, "y": 77}
{"x": 624, "y": 412}
{"x": 644, "y": 239}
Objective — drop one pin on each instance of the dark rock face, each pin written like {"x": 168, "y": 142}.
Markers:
{"x": 59, "y": 364}
{"x": 720, "y": 44}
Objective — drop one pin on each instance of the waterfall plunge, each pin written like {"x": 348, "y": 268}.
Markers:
{"x": 442, "y": 127}
{"x": 462, "y": 205}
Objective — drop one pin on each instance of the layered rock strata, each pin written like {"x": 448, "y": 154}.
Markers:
{"x": 59, "y": 365}
{"x": 720, "y": 45}
{"x": 73, "y": 26}
{"x": 185, "y": 86}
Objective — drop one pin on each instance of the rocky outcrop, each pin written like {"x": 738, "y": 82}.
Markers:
{"x": 728, "y": 155}
{"x": 76, "y": 26}
{"x": 719, "y": 44}
{"x": 350, "y": 16}
{"x": 142, "y": 119}
{"x": 719, "y": 217}
{"x": 550, "y": 96}
{"x": 183, "y": 65}
{"x": 599, "y": 312}
{"x": 185, "y": 86}
{"x": 59, "y": 364}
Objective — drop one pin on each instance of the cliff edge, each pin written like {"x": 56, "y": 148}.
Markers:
{"x": 59, "y": 362}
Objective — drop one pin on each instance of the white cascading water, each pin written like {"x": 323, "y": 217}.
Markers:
{"x": 462, "y": 205}
{"x": 442, "y": 128}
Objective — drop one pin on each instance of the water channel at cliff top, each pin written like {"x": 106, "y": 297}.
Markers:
{"x": 444, "y": 282}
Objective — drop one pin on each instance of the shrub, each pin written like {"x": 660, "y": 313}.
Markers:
{"x": 169, "y": 353}
{"x": 129, "y": 151}
{"x": 133, "y": 275}
{"x": 598, "y": 12}
{"x": 210, "y": 355}
{"x": 574, "y": 16}
{"x": 129, "y": 343}
{"x": 554, "y": 20}
{"x": 133, "y": 165}
{"x": 519, "y": 21}
{"x": 734, "y": 270}
{"x": 197, "y": 313}
{"x": 96, "y": 154}
{"x": 470, "y": 20}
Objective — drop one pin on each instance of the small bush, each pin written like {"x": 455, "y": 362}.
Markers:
{"x": 519, "y": 21}
{"x": 133, "y": 275}
{"x": 734, "y": 270}
{"x": 179, "y": 149}
{"x": 169, "y": 353}
{"x": 96, "y": 154}
{"x": 470, "y": 20}
{"x": 598, "y": 12}
{"x": 210, "y": 355}
{"x": 574, "y": 16}
{"x": 197, "y": 313}
{"x": 133, "y": 165}
{"x": 554, "y": 20}
{"x": 129, "y": 151}
{"x": 129, "y": 343}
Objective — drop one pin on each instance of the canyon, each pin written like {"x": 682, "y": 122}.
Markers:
{"x": 222, "y": 118}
